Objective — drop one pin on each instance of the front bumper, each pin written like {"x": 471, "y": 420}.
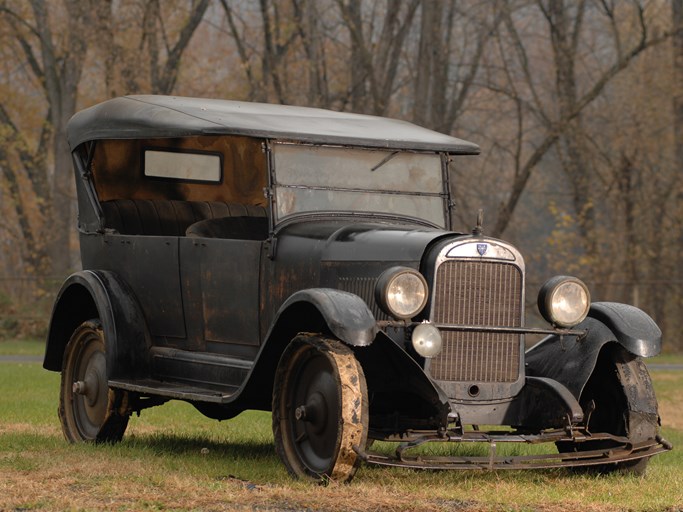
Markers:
{"x": 620, "y": 450}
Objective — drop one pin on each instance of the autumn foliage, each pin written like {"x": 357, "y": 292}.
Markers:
{"x": 577, "y": 105}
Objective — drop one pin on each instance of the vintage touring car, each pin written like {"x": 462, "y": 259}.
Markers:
{"x": 295, "y": 260}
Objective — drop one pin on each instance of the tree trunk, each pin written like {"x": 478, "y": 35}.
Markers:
{"x": 312, "y": 38}
{"x": 375, "y": 64}
{"x": 677, "y": 11}
{"x": 351, "y": 13}
{"x": 63, "y": 208}
{"x": 60, "y": 78}
{"x": 677, "y": 16}
{"x": 430, "y": 40}
{"x": 564, "y": 34}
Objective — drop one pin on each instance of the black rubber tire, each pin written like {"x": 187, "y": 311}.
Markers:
{"x": 85, "y": 414}
{"x": 625, "y": 405}
{"x": 320, "y": 409}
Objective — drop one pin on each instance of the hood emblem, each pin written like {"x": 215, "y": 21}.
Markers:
{"x": 482, "y": 248}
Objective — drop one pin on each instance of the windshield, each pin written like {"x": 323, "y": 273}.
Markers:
{"x": 315, "y": 178}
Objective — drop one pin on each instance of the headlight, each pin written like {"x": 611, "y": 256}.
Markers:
{"x": 426, "y": 340}
{"x": 564, "y": 301}
{"x": 401, "y": 292}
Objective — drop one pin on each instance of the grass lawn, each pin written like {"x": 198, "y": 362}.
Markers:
{"x": 172, "y": 458}
{"x": 28, "y": 347}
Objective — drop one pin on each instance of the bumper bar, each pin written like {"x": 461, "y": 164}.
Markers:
{"x": 620, "y": 451}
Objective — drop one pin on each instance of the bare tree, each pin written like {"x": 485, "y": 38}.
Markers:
{"x": 677, "y": 16}
{"x": 376, "y": 52}
{"x": 453, "y": 37}
{"x": 556, "y": 113}
{"x": 57, "y": 68}
{"x": 143, "y": 43}
{"x": 284, "y": 29}
{"x": 43, "y": 202}
{"x": 311, "y": 33}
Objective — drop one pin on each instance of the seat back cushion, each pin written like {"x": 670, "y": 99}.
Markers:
{"x": 168, "y": 217}
{"x": 242, "y": 228}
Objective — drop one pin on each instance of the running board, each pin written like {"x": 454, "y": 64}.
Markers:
{"x": 622, "y": 453}
{"x": 199, "y": 369}
{"x": 174, "y": 390}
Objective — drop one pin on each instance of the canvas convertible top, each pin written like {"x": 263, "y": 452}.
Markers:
{"x": 148, "y": 116}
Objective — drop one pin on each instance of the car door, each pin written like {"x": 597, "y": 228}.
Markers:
{"x": 149, "y": 266}
{"x": 220, "y": 282}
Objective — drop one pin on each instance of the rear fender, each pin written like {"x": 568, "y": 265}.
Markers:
{"x": 571, "y": 360}
{"x": 104, "y": 295}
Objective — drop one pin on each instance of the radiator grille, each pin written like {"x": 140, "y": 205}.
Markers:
{"x": 480, "y": 294}
{"x": 364, "y": 287}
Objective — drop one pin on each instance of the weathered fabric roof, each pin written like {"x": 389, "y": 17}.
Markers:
{"x": 130, "y": 117}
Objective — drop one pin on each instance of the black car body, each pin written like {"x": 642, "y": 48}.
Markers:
{"x": 247, "y": 256}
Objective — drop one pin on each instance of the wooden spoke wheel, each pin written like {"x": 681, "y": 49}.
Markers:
{"x": 84, "y": 400}
{"x": 320, "y": 409}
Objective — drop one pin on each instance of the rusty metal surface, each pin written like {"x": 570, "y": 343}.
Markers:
{"x": 622, "y": 451}
{"x": 177, "y": 391}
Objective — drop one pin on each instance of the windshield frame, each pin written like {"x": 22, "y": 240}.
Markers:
{"x": 443, "y": 195}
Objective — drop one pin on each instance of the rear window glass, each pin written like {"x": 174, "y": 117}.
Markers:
{"x": 182, "y": 166}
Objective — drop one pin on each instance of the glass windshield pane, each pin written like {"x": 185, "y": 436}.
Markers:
{"x": 313, "y": 178}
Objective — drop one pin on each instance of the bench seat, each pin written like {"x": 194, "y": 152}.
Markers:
{"x": 154, "y": 217}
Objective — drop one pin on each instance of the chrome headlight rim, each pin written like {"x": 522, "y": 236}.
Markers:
{"x": 564, "y": 301}
{"x": 389, "y": 297}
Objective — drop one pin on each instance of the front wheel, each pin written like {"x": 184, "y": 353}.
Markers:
{"x": 85, "y": 400}
{"x": 618, "y": 399}
{"x": 320, "y": 409}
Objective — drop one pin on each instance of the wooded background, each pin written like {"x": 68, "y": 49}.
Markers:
{"x": 576, "y": 104}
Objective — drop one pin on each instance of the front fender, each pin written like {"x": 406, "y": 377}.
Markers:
{"x": 104, "y": 295}
{"x": 320, "y": 310}
{"x": 345, "y": 314}
{"x": 571, "y": 360}
{"x": 388, "y": 369}
{"x": 632, "y": 327}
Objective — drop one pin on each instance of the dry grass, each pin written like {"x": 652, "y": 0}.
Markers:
{"x": 89, "y": 480}
{"x": 160, "y": 466}
{"x": 672, "y": 414}
{"x": 669, "y": 389}
{"x": 92, "y": 482}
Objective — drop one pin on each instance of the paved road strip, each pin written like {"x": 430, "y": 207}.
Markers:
{"x": 21, "y": 359}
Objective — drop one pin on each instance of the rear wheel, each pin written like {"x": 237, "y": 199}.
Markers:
{"x": 618, "y": 399}
{"x": 85, "y": 400}
{"x": 320, "y": 409}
